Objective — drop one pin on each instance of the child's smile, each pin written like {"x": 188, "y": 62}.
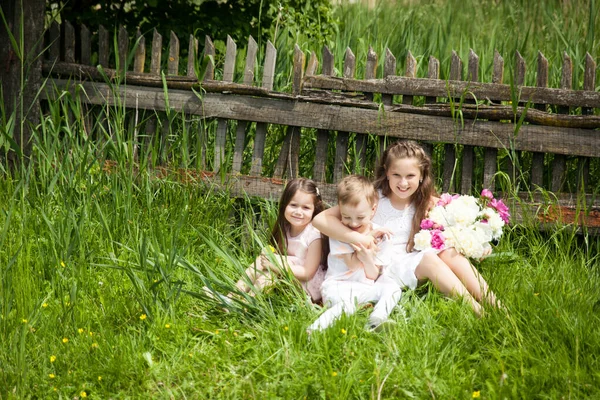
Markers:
{"x": 299, "y": 211}
{"x": 404, "y": 177}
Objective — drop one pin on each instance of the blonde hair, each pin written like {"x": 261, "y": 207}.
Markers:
{"x": 353, "y": 188}
{"x": 422, "y": 197}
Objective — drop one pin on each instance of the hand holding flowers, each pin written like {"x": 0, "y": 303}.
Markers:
{"x": 464, "y": 222}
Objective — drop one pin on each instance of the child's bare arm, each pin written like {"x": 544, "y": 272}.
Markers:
{"x": 367, "y": 257}
{"x": 305, "y": 272}
{"x": 329, "y": 223}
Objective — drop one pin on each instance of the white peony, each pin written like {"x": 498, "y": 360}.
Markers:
{"x": 464, "y": 210}
{"x": 423, "y": 240}
{"x": 440, "y": 216}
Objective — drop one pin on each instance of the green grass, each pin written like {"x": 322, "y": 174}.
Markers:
{"x": 86, "y": 252}
{"x": 113, "y": 258}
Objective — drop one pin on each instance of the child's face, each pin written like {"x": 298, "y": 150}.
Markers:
{"x": 358, "y": 217}
{"x": 300, "y": 209}
{"x": 403, "y": 176}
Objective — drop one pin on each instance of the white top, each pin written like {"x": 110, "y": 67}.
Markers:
{"x": 337, "y": 268}
{"x": 398, "y": 221}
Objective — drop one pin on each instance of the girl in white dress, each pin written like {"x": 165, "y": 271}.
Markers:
{"x": 406, "y": 192}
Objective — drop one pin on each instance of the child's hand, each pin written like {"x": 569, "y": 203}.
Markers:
{"x": 380, "y": 234}
{"x": 367, "y": 241}
{"x": 366, "y": 255}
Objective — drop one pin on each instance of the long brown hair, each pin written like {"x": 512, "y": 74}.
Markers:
{"x": 422, "y": 197}
{"x": 282, "y": 226}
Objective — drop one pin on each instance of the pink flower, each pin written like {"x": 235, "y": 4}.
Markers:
{"x": 438, "y": 240}
{"x": 502, "y": 209}
{"x": 446, "y": 199}
{"x": 427, "y": 224}
{"x": 487, "y": 193}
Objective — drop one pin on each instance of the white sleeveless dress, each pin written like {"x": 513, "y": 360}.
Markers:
{"x": 403, "y": 264}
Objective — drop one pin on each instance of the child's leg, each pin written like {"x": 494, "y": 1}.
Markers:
{"x": 444, "y": 279}
{"x": 341, "y": 298}
{"x": 389, "y": 294}
{"x": 468, "y": 275}
{"x": 253, "y": 272}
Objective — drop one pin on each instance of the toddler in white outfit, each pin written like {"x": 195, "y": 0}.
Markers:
{"x": 354, "y": 275}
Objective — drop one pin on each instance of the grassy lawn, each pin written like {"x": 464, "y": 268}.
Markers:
{"x": 101, "y": 273}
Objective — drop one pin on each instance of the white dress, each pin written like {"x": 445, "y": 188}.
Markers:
{"x": 403, "y": 264}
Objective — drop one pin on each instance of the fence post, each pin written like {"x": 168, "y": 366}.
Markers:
{"x": 22, "y": 101}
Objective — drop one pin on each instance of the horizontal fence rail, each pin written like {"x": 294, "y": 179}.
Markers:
{"x": 539, "y": 137}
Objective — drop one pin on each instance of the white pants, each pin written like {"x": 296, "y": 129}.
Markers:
{"x": 345, "y": 296}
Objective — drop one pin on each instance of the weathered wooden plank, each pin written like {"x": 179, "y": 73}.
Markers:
{"x": 156, "y": 53}
{"x": 452, "y": 88}
{"x": 192, "y": 54}
{"x": 123, "y": 48}
{"x": 350, "y": 64}
{"x": 341, "y": 155}
{"x": 298, "y": 72}
{"x": 490, "y": 155}
{"x": 589, "y": 83}
{"x": 312, "y": 65}
{"x": 456, "y": 67}
{"x": 342, "y": 138}
{"x": 537, "y": 162}
{"x": 468, "y": 155}
{"x": 319, "y": 172}
{"x": 498, "y": 72}
{"x": 433, "y": 72}
{"x": 494, "y": 112}
{"x": 240, "y": 134}
{"x": 221, "y": 134}
{"x": 582, "y": 142}
{"x": 328, "y": 62}
{"x": 389, "y": 69}
{"x": 370, "y": 69}
{"x": 139, "y": 60}
{"x": 251, "y": 52}
{"x": 285, "y": 159}
{"x": 103, "y": 47}
{"x": 85, "y": 45}
{"x": 54, "y": 45}
{"x": 261, "y": 127}
{"x": 410, "y": 72}
{"x": 173, "y": 61}
{"x": 288, "y": 155}
{"x": 450, "y": 160}
{"x": 69, "y": 42}
{"x": 559, "y": 163}
{"x": 209, "y": 51}
{"x": 520, "y": 69}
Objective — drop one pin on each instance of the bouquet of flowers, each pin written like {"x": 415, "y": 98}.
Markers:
{"x": 464, "y": 222}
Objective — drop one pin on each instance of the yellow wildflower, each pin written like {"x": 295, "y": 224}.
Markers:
{"x": 334, "y": 373}
{"x": 65, "y": 340}
{"x": 143, "y": 317}
{"x": 62, "y": 264}
{"x": 99, "y": 378}
{"x": 51, "y": 376}
{"x": 476, "y": 394}
{"x": 83, "y": 394}
{"x": 24, "y": 321}
{"x": 80, "y": 330}
{"x": 94, "y": 345}
{"x": 344, "y": 331}
{"x": 285, "y": 328}
{"x": 167, "y": 326}
{"x": 45, "y": 305}
{"x": 52, "y": 359}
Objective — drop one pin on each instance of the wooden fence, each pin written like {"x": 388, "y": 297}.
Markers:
{"x": 467, "y": 124}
